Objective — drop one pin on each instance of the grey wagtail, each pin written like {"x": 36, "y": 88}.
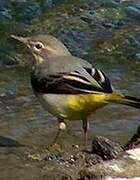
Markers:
{"x": 68, "y": 87}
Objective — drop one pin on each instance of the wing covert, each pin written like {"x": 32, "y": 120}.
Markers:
{"x": 89, "y": 80}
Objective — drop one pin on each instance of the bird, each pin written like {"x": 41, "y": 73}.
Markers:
{"x": 68, "y": 87}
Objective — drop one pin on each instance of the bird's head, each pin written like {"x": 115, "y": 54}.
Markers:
{"x": 43, "y": 46}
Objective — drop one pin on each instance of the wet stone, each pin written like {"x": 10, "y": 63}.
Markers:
{"x": 137, "y": 56}
{"x": 92, "y": 159}
{"x": 134, "y": 141}
{"x": 76, "y": 23}
{"x": 106, "y": 148}
{"x": 133, "y": 12}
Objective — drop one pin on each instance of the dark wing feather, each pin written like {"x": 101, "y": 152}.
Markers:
{"x": 72, "y": 83}
{"x": 102, "y": 79}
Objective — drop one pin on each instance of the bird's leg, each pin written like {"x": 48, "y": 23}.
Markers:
{"x": 85, "y": 128}
{"x": 62, "y": 126}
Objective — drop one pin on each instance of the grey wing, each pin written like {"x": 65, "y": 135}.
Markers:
{"x": 82, "y": 80}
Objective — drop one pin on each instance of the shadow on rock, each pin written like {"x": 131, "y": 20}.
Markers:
{"x": 8, "y": 142}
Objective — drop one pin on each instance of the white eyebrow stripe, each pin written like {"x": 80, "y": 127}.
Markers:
{"x": 101, "y": 76}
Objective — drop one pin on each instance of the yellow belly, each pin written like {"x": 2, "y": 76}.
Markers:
{"x": 81, "y": 106}
{"x": 73, "y": 107}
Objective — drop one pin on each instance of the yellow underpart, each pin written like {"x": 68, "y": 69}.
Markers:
{"x": 78, "y": 101}
{"x": 84, "y": 105}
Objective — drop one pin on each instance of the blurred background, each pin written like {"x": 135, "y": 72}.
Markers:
{"x": 104, "y": 32}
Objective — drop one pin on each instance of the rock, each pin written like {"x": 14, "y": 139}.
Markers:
{"x": 134, "y": 141}
{"x": 125, "y": 166}
{"x": 133, "y": 12}
{"x": 8, "y": 142}
{"x": 110, "y": 3}
{"x": 77, "y": 23}
{"x": 105, "y": 148}
{"x": 137, "y": 56}
{"x": 53, "y": 175}
{"x": 134, "y": 153}
{"x": 88, "y": 16}
{"x": 92, "y": 159}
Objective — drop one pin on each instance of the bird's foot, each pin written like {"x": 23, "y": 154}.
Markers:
{"x": 55, "y": 146}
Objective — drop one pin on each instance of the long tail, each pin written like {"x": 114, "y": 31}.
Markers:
{"x": 126, "y": 100}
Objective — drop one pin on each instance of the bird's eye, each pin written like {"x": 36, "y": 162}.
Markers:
{"x": 38, "y": 46}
